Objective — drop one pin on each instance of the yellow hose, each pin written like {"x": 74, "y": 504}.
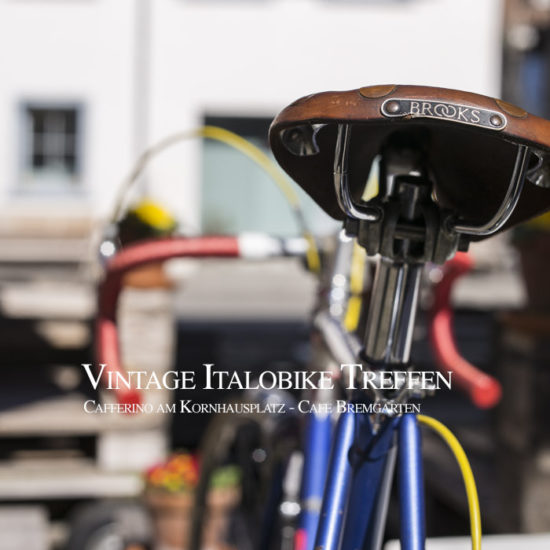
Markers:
{"x": 254, "y": 153}
{"x": 260, "y": 158}
{"x": 357, "y": 276}
{"x": 467, "y": 475}
{"x": 248, "y": 149}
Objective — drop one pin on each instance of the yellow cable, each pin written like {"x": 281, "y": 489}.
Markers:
{"x": 245, "y": 147}
{"x": 467, "y": 475}
{"x": 312, "y": 255}
{"x": 260, "y": 158}
{"x": 357, "y": 275}
{"x": 254, "y": 153}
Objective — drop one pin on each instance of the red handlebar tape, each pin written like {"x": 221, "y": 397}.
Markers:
{"x": 107, "y": 345}
{"x": 484, "y": 390}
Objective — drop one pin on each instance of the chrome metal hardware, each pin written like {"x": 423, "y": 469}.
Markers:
{"x": 301, "y": 140}
{"x": 392, "y": 311}
{"x": 539, "y": 173}
{"x": 508, "y": 204}
{"x": 343, "y": 345}
{"x": 339, "y": 290}
{"x": 341, "y": 181}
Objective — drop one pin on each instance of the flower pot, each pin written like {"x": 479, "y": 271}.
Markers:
{"x": 220, "y": 502}
{"x": 171, "y": 514}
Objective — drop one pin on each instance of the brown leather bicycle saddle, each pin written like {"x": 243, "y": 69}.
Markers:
{"x": 469, "y": 142}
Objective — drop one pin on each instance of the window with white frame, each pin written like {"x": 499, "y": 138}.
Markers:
{"x": 51, "y": 146}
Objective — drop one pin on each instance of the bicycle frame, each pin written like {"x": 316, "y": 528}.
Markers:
{"x": 354, "y": 484}
{"x": 358, "y": 487}
{"x": 316, "y": 464}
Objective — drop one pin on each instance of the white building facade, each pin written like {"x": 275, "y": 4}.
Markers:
{"x": 87, "y": 84}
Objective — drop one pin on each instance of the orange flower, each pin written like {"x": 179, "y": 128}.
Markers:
{"x": 178, "y": 474}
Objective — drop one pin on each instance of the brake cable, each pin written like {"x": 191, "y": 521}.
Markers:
{"x": 248, "y": 149}
{"x": 467, "y": 475}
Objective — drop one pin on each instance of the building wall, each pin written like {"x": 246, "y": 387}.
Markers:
{"x": 58, "y": 51}
{"x": 211, "y": 57}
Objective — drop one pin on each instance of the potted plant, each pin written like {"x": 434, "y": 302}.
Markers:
{"x": 169, "y": 494}
{"x": 223, "y": 496}
{"x": 146, "y": 220}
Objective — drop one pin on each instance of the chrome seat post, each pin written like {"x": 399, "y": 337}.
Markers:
{"x": 392, "y": 312}
{"x": 394, "y": 296}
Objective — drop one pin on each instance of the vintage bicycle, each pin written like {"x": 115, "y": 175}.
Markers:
{"x": 453, "y": 167}
{"x": 450, "y": 167}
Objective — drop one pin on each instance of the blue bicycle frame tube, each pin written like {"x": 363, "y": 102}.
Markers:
{"x": 316, "y": 458}
{"x": 373, "y": 462}
{"x": 337, "y": 489}
{"x": 411, "y": 485}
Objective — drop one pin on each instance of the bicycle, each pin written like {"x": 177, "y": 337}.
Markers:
{"x": 119, "y": 258}
{"x": 434, "y": 195}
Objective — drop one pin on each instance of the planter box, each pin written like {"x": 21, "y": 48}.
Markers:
{"x": 172, "y": 512}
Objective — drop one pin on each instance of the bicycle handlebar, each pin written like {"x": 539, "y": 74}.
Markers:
{"x": 484, "y": 390}
{"x": 250, "y": 246}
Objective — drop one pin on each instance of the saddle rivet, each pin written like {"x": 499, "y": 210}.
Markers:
{"x": 393, "y": 107}
{"x": 496, "y": 120}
